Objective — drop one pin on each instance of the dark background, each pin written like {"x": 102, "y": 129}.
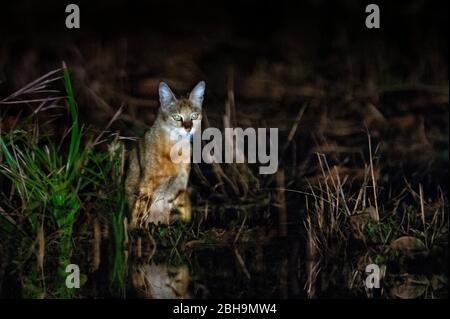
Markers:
{"x": 266, "y": 29}
{"x": 275, "y": 55}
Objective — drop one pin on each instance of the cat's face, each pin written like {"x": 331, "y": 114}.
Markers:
{"x": 181, "y": 116}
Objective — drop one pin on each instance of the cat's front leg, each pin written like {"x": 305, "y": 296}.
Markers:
{"x": 160, "y": 208}
{"x": 181, "y": 202}
{"x": 140, "y": 210}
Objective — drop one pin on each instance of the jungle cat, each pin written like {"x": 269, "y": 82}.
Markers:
{"x": 155, "y": 185}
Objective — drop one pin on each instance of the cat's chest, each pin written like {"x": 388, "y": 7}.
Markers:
{"x": 172, "y": 157}
{"x": 164, "y": 170}
{"x": 162, "y": 161}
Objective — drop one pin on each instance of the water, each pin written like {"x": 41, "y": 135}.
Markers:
{"x": 281, "y": 269}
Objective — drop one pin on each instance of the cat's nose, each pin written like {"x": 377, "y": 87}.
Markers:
{"x": 187, "y": 125}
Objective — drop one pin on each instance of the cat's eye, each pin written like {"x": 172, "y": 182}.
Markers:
{"x": 177, "y": 117}
{"x": 194, "y": 116}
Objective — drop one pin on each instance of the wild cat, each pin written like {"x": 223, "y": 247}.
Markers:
{"x": 155, "y": 185}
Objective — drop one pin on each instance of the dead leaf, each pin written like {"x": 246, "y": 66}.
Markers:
{"x": 408, "y": 245}
{"x": 411, "y": 288}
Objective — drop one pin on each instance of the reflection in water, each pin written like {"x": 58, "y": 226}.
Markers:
{"x": 239, "y": 272}
{"x": 281, "y": 269}
{"x": 160, "y": 281}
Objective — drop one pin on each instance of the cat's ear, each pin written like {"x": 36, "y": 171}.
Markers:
{"x": 166, "y": 95}
{"x": 196, "y": 96}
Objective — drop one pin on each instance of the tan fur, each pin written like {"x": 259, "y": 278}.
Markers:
{"x": 156, "y": 187}
{"x": 161, "y": 281}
